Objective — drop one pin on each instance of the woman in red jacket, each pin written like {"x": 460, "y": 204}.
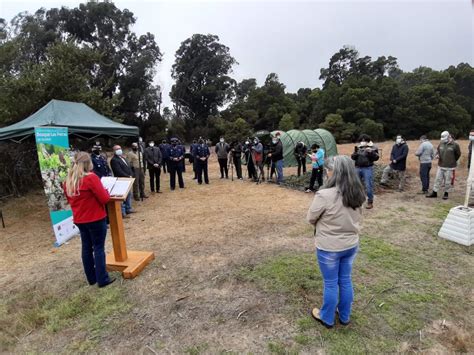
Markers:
{"x": 87, "y": 198}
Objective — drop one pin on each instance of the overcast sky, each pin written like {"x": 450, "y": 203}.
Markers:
{"x": 296, "y": 39}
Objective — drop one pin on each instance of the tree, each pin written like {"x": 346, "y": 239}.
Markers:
{"x": 372, "y": 128}
{"x": 202, "y": 83}
{"x": 286, "y": 122}
{"x": 342, "y": 132}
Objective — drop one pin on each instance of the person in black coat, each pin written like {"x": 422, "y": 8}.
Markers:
{"x": 236, "y": 154}
{"x": 154, "y": 160}
{"x": 398, "y": 163}
{"x": 300, "y": 155}
{"x": 201, "y": 156}
{"x": 121, "y": 168}
{"x": 99, "y": 162}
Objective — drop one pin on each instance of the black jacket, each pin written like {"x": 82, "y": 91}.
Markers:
{"x": 120, "y": 168}
{"x": 277, "y": 152}
{"x": 153, "y": 156}
{"x": 365, "y": 156}
{"x": 399, "y": 153}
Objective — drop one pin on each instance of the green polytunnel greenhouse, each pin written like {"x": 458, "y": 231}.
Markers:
{"x": 309, "y": 137}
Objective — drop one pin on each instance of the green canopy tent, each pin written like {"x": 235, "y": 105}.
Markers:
{"x": 77, "y": 117}
{"x": 319, "y": 136}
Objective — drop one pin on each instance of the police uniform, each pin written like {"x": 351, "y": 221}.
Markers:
{"x": 176, "y": 156}
{"x": 101, "y": 167}
{"x": 202, "y": 154}
{"x": 192, "y": 151}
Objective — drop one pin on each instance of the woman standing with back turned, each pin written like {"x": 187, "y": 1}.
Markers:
{"x": 87, "y": 197}
{"x": 336, "y": 214}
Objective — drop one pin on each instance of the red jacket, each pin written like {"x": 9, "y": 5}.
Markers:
{"x": 89, "y": 205}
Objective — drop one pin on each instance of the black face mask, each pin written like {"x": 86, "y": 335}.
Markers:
{"x": 134, "y": 149}
{"x": 96, "y": 152}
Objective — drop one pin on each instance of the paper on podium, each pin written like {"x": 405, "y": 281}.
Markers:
{"x": 120, "y": 188}
{"x": 108, "y": 182}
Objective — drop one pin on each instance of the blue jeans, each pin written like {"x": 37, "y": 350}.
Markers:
{"x": 127, "y": 204}
{"x": 366, "y": 175}
{"x": 93, "y": 255}
{"x": 336, "y": 268}
{"x": 279, "y": 169}
{"x": 425, "y": 176}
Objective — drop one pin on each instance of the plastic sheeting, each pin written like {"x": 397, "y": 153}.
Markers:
{"x": 319, "y": 136}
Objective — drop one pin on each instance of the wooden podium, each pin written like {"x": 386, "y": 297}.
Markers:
{"x": 130, "y": 263}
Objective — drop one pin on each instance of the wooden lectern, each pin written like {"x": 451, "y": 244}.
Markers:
{"x": 130, "y": 263}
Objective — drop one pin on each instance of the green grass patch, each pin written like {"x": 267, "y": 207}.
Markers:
{"x": 197, "y": 349}
{"x": 85, "y": 309}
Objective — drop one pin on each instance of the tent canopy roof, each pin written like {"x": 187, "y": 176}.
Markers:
{"x": 78, "y": 117}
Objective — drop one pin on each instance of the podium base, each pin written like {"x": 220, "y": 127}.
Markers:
{"x": 135, "y": 263}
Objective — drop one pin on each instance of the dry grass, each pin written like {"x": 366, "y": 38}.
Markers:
{"x": 193, "y": 297}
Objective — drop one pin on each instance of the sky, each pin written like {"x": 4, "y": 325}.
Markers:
{"x": 295, "y": 39}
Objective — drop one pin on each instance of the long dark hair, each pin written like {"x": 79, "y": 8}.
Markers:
{"x": 346, "y": 180}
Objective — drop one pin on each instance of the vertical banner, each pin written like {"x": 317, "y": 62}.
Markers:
{"x": 54, "y": 159}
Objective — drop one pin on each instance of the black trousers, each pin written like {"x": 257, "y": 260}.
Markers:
{"x": 138, "y": 184}
{"x": 154, "y": 177}
{"x": 201, "y": 167}
{"x": 176, "y": 168}
{"x": 425, "y": 175}
{"x": 165, "y": 166}
{"x": 238, "y": 166}
{"x": 316, "y": 174}
{"x": 301, "y": 164}
{"x": 195, "y": 166}
{"x": 223, "y": 167}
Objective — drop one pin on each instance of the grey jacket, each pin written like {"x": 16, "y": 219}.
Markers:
{"x": 425, "y": 152}
{"x": 222, "y": 149}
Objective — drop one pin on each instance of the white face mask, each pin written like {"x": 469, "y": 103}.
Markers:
{"x": 118, "y": 152}
{"x": 363, "y": 144}
{"x": 274, "y": 141}
{"x": 152, "y": 144}
{"x": 471, "y": 138}
{"x": 247, "y": 142}
{"x": 140, "y": 139}
{"x": 221, "y": 140}
{"x": 398, "y": 140}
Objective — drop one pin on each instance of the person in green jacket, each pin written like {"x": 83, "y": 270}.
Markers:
{"x": 448, "y": 154}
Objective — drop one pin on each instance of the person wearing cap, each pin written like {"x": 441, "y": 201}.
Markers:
{"x": 471, "y": 140}
{"x": 135, "y": 157}
{"x": 201, "y": 156}
{"x": 164, "y": 148}
{"x": 398, "y": 163}
{"x": 222, "y": 150}
{"x": 277, "y": 157}
{"x": 448, "y": 154}
{"x": 154, "y": 160}
{"x": 364, "y": 156}
{"x": 99, "y": 162}
{"x": 425, "y": 154}
{"x": 300, "y": 155}
{"x": 176, "y": 155}
{"x": 121, "y": 168}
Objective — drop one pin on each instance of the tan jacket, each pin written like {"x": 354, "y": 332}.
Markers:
{"x": 337, "y": 227}
{"x": 133, "y": 159}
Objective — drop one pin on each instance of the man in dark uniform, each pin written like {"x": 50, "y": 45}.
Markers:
{"x": 202, "y": 154}
{"x": 99, "y": 162}
{"x": 154, "y": 161}
{"x": 164, "y": 148}
{"x": 236, "y": 154}
{"x": 192, "y": 151}
{"x": 300, "y": 155}
{"x": 176, "y": 154}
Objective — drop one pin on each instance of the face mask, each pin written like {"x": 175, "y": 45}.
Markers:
{"x": 255, "y": 142}
{"x": 96, "y": 152}
{"x": 398, "y": 140}
{"x": 140, "y": 139}
{"x": 471, "y": 138}
{"x": 247, "y": 142}
{"x": 152, "y": 144}
{"x": 274, "y": 141}
{"x": 221, "y": 140}
{"x": 134, "y": 149}
{"x": 363, "y": 144}
{"x": 174, "y": 144}
{"x": 118, "y": 152}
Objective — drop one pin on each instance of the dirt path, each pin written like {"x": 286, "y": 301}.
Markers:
{"x": 188, "y": 298}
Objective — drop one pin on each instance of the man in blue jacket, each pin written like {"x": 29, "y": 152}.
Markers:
{"x": 398, "y": 163}
{"x": 201, "y": 155}
{"x": 176, "y": 156}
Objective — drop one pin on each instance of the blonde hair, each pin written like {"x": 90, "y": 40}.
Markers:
{"x": 81, "y": 166}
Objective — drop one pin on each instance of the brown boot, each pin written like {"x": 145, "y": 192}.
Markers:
{"x": 369, "y": 205}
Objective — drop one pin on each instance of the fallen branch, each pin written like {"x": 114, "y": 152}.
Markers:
{"x": 182, "y": 298}
{"x": 241, "y": 313}
{"x": 151, "y": 349}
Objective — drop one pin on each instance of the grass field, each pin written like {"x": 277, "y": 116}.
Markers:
{"x": 235, "y": 272}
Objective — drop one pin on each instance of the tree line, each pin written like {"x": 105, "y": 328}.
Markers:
{"x": 90, "y": 54}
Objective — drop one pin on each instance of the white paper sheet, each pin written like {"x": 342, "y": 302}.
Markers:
{"x": 120, "y": 188}
{"x": 108, "y": 182}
